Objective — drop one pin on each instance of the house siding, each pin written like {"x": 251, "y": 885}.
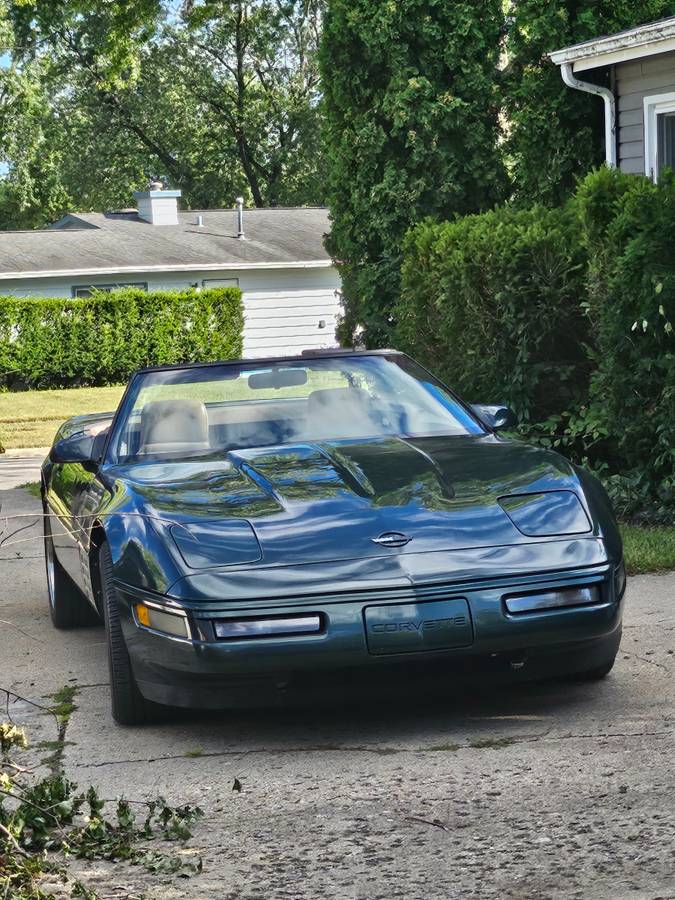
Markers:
{"x": 636, "y": 80}
{"x": 283, "y": 308}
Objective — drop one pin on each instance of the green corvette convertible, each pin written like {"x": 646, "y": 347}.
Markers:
{"x": 254, "y": 528}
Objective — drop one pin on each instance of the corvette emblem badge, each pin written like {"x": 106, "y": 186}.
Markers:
{"x": 392, "y": 539}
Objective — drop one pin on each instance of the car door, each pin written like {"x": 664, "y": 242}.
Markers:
{"x": 66, "y": 498}
{"x": 73, "y": 495}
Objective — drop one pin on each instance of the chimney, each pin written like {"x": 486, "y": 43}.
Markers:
{"x": 157, "y": 206}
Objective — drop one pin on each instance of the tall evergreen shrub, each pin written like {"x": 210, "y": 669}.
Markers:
{"x": 411, "y": 107}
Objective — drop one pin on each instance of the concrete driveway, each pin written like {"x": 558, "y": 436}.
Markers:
{"x": 20, "y": 466}
{"x": 558, "y": 790}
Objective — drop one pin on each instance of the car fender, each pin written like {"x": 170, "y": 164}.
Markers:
{"x": 602, "y": 513}
{"x": 142, "y": 551}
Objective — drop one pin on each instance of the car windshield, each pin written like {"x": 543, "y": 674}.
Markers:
{"x": 212, "y": 409}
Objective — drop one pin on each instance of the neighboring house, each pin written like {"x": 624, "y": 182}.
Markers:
{"x": 634, "y": 73}
{"x": 290, "y": 287}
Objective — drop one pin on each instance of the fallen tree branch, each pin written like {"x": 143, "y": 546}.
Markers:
{"x": 13, "y": 841}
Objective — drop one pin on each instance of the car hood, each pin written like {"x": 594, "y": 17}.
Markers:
{"x": 324, "y": 501}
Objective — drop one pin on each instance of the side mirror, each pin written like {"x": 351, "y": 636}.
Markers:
{"x": 496, "y": 417}
{"x": 79, "y": 447}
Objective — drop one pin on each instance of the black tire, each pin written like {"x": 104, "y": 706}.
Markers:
{"x": 596, "y": 674}
{"x": 128, "y": 704}
{"x": 68, "y": 606}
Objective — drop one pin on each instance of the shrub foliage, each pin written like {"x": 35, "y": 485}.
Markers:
{"x": 411, "y": 130}
{"x": 629, "y": 230}
{"x": 567, "y": 314}
{"x": 55, "y": 342}
{"x": 428, "y": 105}
{"x": 492, "y": 302}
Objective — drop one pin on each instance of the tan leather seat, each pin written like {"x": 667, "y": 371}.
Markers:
{"x": 173, "y": 425}
{"x": 334, "y": 413}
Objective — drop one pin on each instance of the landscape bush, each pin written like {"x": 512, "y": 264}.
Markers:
{"x": 492, "y": 303}
{"x": 102, "y": 339}
{"x": 566, "y": 314}
{"x": 628, "y": 227}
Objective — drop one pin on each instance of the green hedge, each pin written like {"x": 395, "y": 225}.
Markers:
{"x": 491, "y": 302}
{"x": 568, "y": 315}
{"x": 98, "y": 340}
{"x": 628, "y": 226}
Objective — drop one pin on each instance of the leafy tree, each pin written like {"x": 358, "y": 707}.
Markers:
{"x": 554, "y": 133}
{"x": 222, "y": 98}
{"x": 35, "y": 190}
{"x": 106, "y": 36}
{"x": 411, "y": 131}
{"x": 252, "y": 66}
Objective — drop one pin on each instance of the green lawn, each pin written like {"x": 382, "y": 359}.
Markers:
{"x": 648, "y": 549}
{"x": 30, "y": 418}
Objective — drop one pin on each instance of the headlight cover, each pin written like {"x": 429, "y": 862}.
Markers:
{"x": 547, "y": 513}
{"x": 209, "y": 545}
{"x": 166, "y": 621}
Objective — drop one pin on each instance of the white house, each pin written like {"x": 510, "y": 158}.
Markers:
{"x": 633, "y": 72}
{"x": 291, "y": 290}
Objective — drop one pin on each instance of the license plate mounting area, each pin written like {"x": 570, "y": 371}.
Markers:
{"x": 418, "y": 627}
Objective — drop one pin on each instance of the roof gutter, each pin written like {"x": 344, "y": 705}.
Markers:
{"x": 635, "y": 43}
{"x": 141, "y": 269}
{"x": 568, "y": 76}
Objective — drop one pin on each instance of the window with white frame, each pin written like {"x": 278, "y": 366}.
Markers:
{"x": 659, "y": 118}
{"x": 220, "y": 282}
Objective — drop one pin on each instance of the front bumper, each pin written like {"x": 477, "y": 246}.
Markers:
{"x": 203, "y": 672}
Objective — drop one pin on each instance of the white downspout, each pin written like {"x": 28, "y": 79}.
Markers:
{"x": 610, "y": 108}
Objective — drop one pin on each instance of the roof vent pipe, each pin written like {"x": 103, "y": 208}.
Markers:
{"x": 200, "y": 221}
{"x": 568, "y": 76}
{"x": 240, "y": 219}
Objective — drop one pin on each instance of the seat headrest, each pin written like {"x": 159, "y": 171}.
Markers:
{"x": 335, "y": 413}
{"x": 170, "y": 425}
{"x": 332, "y": 398}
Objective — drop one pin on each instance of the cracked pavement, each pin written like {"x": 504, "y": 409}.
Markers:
{"x": 549, "y": 790}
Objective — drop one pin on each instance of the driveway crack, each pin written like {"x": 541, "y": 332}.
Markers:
{"x": 377, "y": 750}
{"x": 652, "y": 662}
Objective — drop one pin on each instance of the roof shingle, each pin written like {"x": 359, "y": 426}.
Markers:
{"x": 108, "y": 242}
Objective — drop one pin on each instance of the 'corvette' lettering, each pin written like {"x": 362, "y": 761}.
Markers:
{"x": 419, "y": 626}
